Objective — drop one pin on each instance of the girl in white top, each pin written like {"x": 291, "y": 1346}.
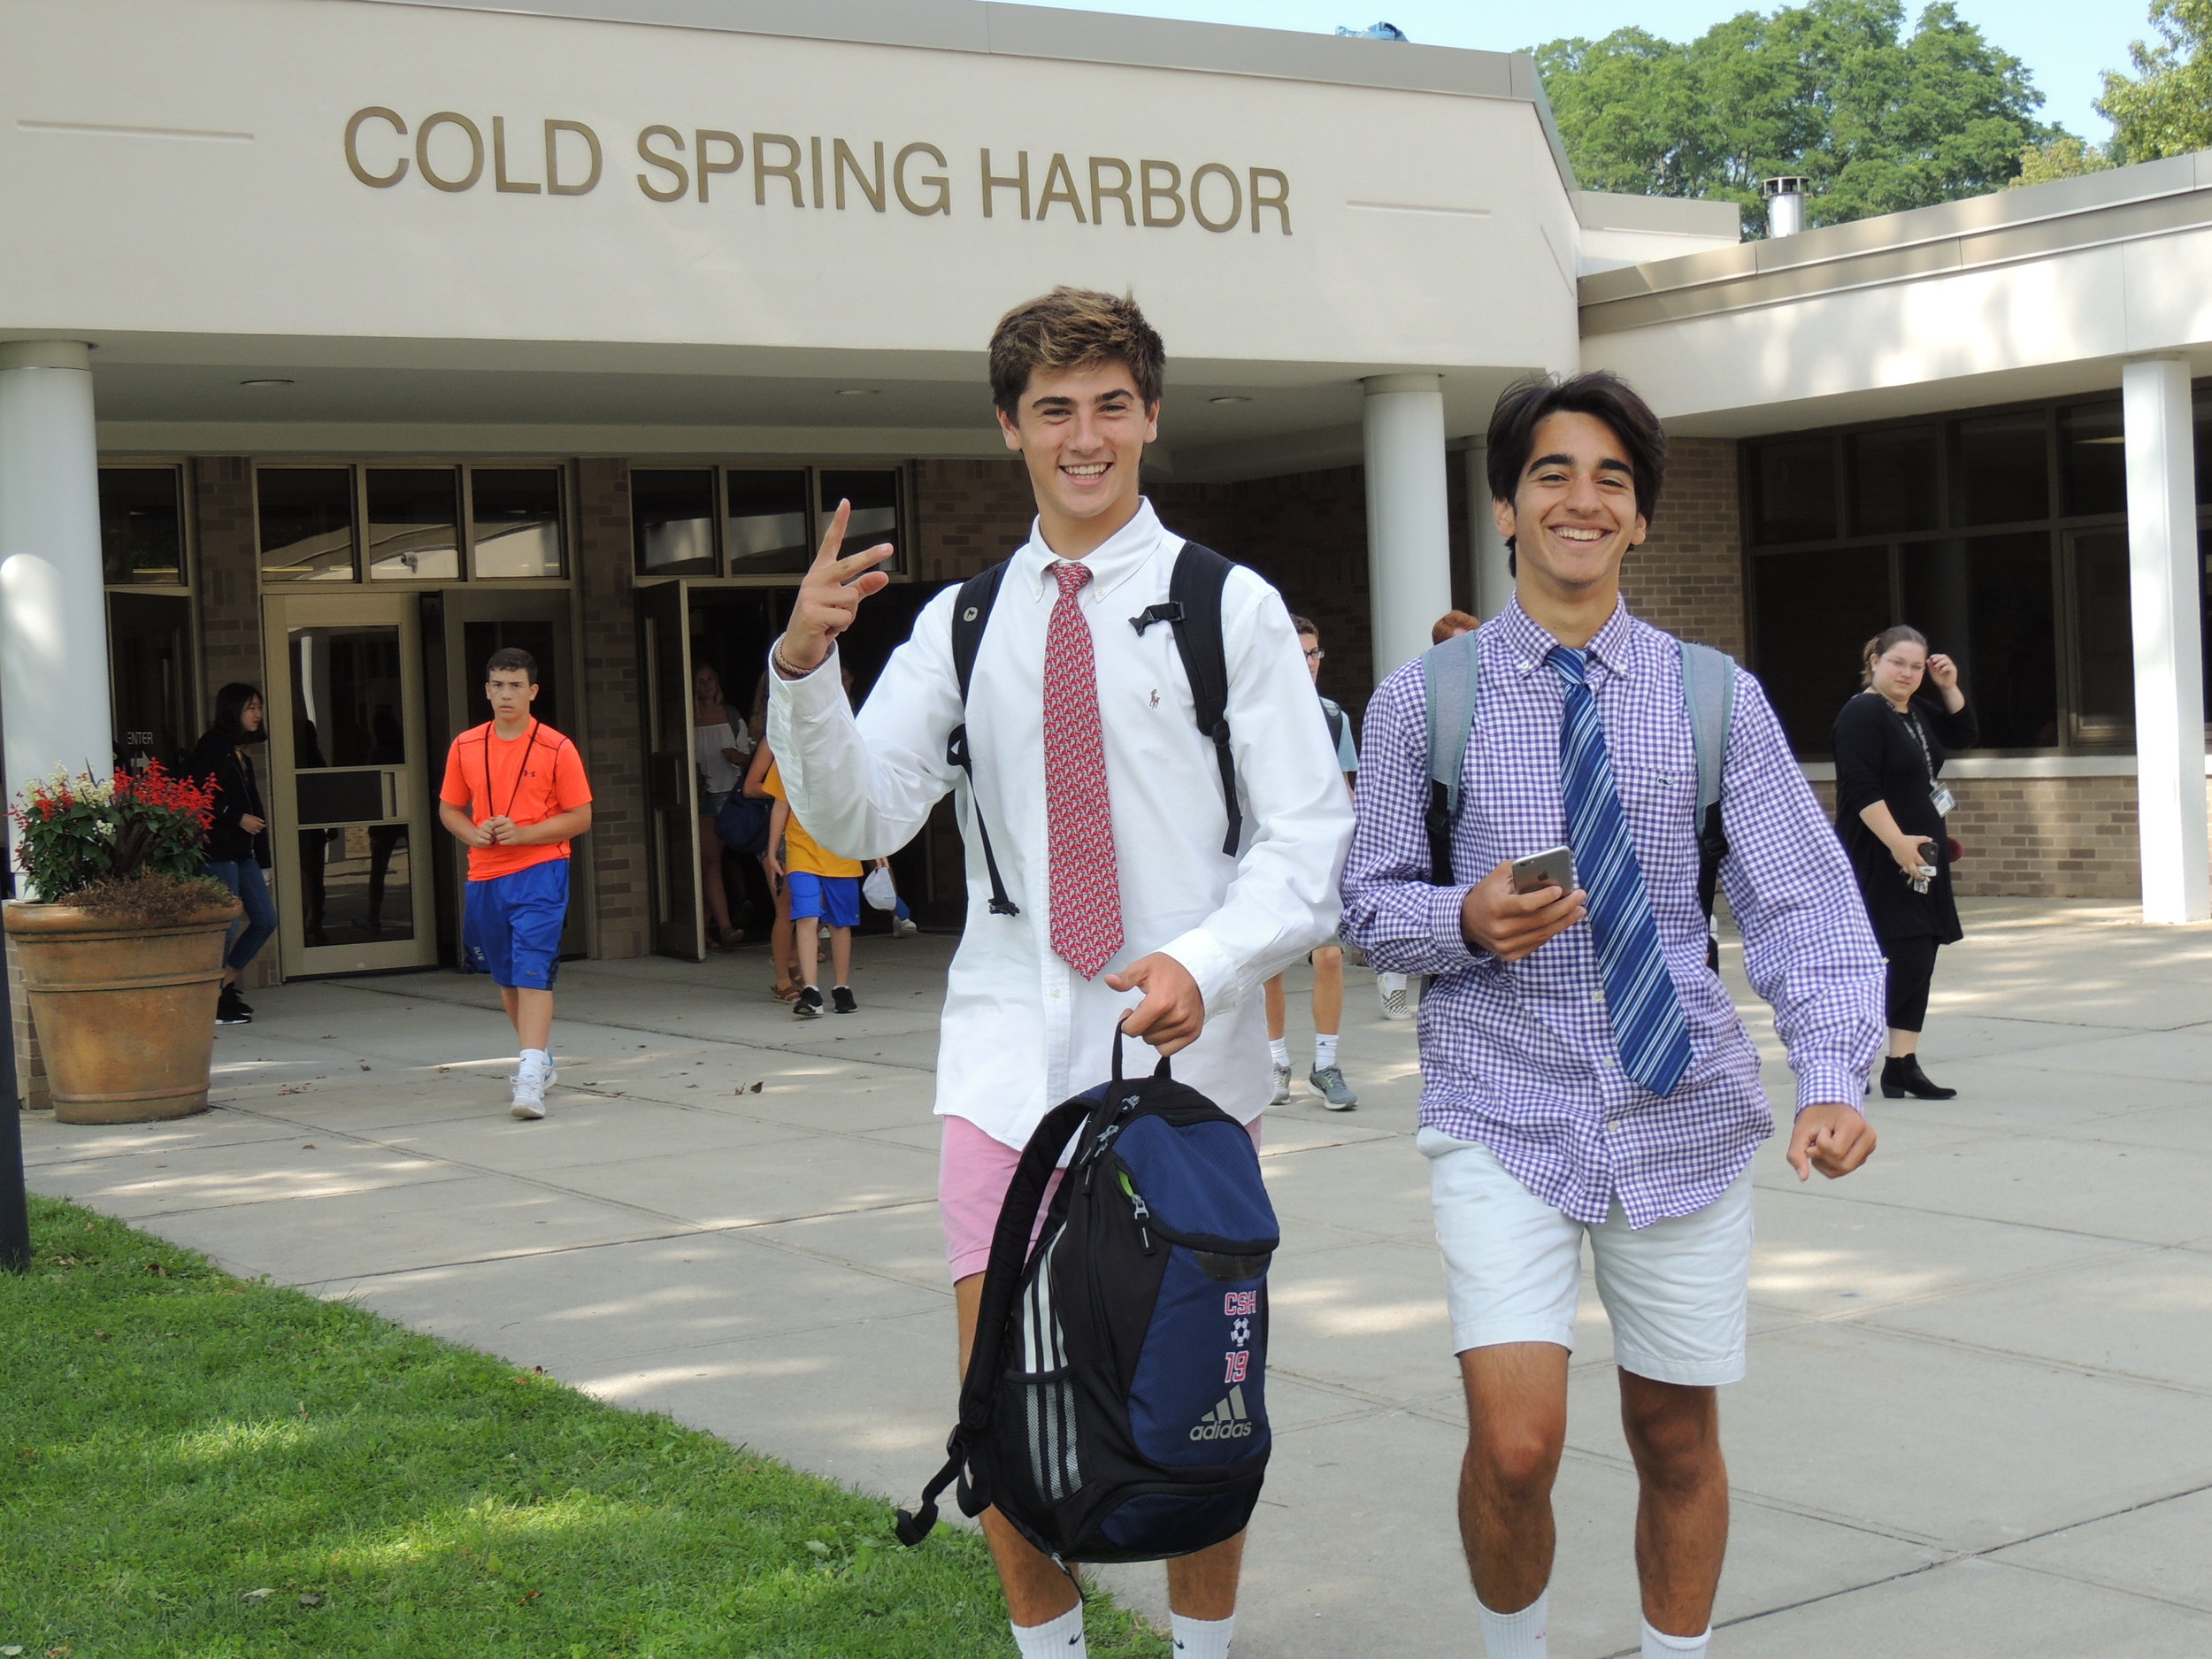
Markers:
{"x": 720, "y": 745}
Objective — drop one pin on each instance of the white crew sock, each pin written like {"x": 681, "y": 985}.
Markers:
{"x": 1203, "y": 1638}
{"x": 1323, "y": 1051}
{"x": 1060, "y": 1639}
{"x": 1279, "y": 1047}
{"x": 1523, "y": 1635}
{"x": 542, "y": 1058}
{"x": 1659, "y": 1645}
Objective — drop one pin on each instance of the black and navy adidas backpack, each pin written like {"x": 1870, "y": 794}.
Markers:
{"x": 1116, "y": 1401}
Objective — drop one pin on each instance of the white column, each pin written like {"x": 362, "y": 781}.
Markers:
{"x": 1493, "y": 573}
{"x": 1409, "y": 515}
{"x": 2169, "y": 653}
{"x": 53, "y": 606}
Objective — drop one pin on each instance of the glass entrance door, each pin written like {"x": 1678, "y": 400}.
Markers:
{"x": 353, "y": 798}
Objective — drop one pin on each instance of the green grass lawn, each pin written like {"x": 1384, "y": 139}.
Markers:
{"x": 197, "y": 1467}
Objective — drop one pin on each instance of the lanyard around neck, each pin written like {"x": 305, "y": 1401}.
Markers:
{"x": 489, "y": 800}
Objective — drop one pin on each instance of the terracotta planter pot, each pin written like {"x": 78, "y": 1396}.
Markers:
{"x": 126, "y": 1016}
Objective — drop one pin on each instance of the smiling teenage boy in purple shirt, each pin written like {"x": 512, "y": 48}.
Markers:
{"x": 1585, "y": 1072}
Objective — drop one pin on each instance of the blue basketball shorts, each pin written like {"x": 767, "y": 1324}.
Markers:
{"x": 835, "y": 899}
{"x": 511, "y": 924}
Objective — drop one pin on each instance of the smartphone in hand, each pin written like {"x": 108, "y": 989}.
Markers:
{"x": 1552, "y": 868}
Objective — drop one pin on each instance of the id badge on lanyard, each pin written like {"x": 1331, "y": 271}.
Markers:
{"x": 1944, "y": 800}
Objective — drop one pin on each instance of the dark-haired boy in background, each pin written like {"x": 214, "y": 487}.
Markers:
{"x": 1596, "y": 1082}
{"x": 515, "y": 796}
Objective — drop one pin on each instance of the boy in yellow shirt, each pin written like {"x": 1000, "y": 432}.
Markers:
{"x": 824, "y": 888}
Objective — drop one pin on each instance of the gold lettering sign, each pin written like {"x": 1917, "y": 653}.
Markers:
{"x": 453, "y": 151}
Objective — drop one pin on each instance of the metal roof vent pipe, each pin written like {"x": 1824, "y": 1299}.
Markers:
{"x": 1786, "y": 204}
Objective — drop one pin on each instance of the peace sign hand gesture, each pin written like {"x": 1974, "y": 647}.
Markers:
{"x": 830, "y": 596}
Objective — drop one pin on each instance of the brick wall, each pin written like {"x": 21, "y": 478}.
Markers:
{"x": 1687, "y": 578}
{"x": 611, "y": 738}
{"x": 1306, "y": 533}
{"x": 2041, "y": 838}
{"x": 969, "y": 515}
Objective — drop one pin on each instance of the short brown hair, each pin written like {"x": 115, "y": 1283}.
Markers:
{"x": 1601, "y": 395}
{"x": 1073, "y": 328}
{"x": 1452, "y": 624}
{"x": 509, "y": 658}
{"x": 1299, "y": 625}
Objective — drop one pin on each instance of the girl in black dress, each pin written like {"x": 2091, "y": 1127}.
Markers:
{"x": 1891, "y": 741}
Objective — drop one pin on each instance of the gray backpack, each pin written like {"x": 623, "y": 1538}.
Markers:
{"x": 1452, "y": 675}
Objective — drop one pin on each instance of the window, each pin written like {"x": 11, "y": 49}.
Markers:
{"x": 306, "y": 522}
{"x": 1998, "y": 470}
{"x": 2104, "y": 631}
{"x": 414, "y": 523}
{"x": 2093, "y": 458}
{"x": 1813, "y": 613}
{"x": 515, "y": 521}
{"x": 1987, "y": 600}
{"x": 2001, "y": 533}
{"x": 672, "y": 520}
{"x": 875, "y": 514}
{"x": 141, "y": 525}
{"x": 1893, "y": 475}
{"x": 766, "y": 526}
{"x": 1794, "y": 491}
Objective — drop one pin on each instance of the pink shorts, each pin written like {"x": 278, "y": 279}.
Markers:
{"x": 973, "y": 1173}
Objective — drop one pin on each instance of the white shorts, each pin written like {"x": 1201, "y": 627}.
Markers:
{"x": 1677, "y": 1291}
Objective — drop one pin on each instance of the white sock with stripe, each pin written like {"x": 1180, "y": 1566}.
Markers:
{"x": 1057, "y": 1639}
{"x": 1279, "y": 1049}
{"x": 1323, "y": 1051}
{"x": 1203, "y": 1638}
{"x": 1659, "y": 1645}
{"x": 1523, "y": 1635}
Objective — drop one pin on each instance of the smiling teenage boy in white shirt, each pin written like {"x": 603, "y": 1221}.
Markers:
{"x": 1103, "y": 806}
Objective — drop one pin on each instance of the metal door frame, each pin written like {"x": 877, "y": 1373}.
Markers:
{"x": 672, "y": 778}
{"x": 416, "y": 788}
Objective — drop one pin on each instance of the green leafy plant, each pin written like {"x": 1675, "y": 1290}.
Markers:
{"x": 2165, "y": 108}
{"x": 73, "y": 831}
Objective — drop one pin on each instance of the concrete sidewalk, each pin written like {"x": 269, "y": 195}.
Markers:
{"x": 1978, "y": 1419}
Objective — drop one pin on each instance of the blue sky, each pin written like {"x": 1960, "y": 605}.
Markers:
{"x": 2063, "y": 42}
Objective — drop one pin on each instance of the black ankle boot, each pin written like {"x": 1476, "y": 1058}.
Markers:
{"x": 1903, "y": 1077}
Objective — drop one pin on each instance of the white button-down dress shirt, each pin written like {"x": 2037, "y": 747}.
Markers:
{"x": 1022, "y": 1031}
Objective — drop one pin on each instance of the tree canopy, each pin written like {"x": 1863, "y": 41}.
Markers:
{"x": 2165, "y": 108}
{"x": 1835, "y": 90}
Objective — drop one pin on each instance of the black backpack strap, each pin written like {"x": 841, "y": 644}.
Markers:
{"x": 1001, "y": 1285}
{"x": 971, "y": 615}
{"x": 1195, "y": 592}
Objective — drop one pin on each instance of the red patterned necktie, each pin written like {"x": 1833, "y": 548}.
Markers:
{"x": 1079, "y": 817}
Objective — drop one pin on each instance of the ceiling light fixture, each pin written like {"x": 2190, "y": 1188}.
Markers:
{"x": 265, "y": 383}
{"x": 859, "y": 391}
{"x": 1234, "y": 397}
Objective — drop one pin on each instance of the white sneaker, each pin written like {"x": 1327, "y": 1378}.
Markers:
{"x": 1281, "y": 1096}
{"x": 904, "y": 927}
{"x": 531, "y": 1082}
{"x": 1397, "y": 996}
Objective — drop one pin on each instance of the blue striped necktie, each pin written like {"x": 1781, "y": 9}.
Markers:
{"x": 1648, "y": 1028}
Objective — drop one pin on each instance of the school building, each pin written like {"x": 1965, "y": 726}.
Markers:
{"x": 343, "y": 342}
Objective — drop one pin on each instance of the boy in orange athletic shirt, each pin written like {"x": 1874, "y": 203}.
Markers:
{"x": 825, "y": 893}
{"x": 515, "y": 796}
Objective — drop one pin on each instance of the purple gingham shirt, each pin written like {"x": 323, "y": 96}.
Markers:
{"x": 1519, "y": 1056}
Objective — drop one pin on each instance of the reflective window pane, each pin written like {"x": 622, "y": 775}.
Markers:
{"x": 149, "y": 678}
{"x": 875, "y": 516}
{"x": 414, "y": 523}
{"x": 346, "y": 701}
{"x": 1998, "y": 469}
{"x": 1814, "y": 611}
{"x": 515, "y": 518}
{"x": 672, "y": 521}
{"x": 1987, "y": 600}
{"x": 767, "y": 522}
{"x": 1794, "y": 491}
{"x": 306, "y": 521}
{"x": 2093, "y": 458}
{"x": 141, "y": 524}
{"x": 2104, "y": 645}
{"x": 1893, "y": 480}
